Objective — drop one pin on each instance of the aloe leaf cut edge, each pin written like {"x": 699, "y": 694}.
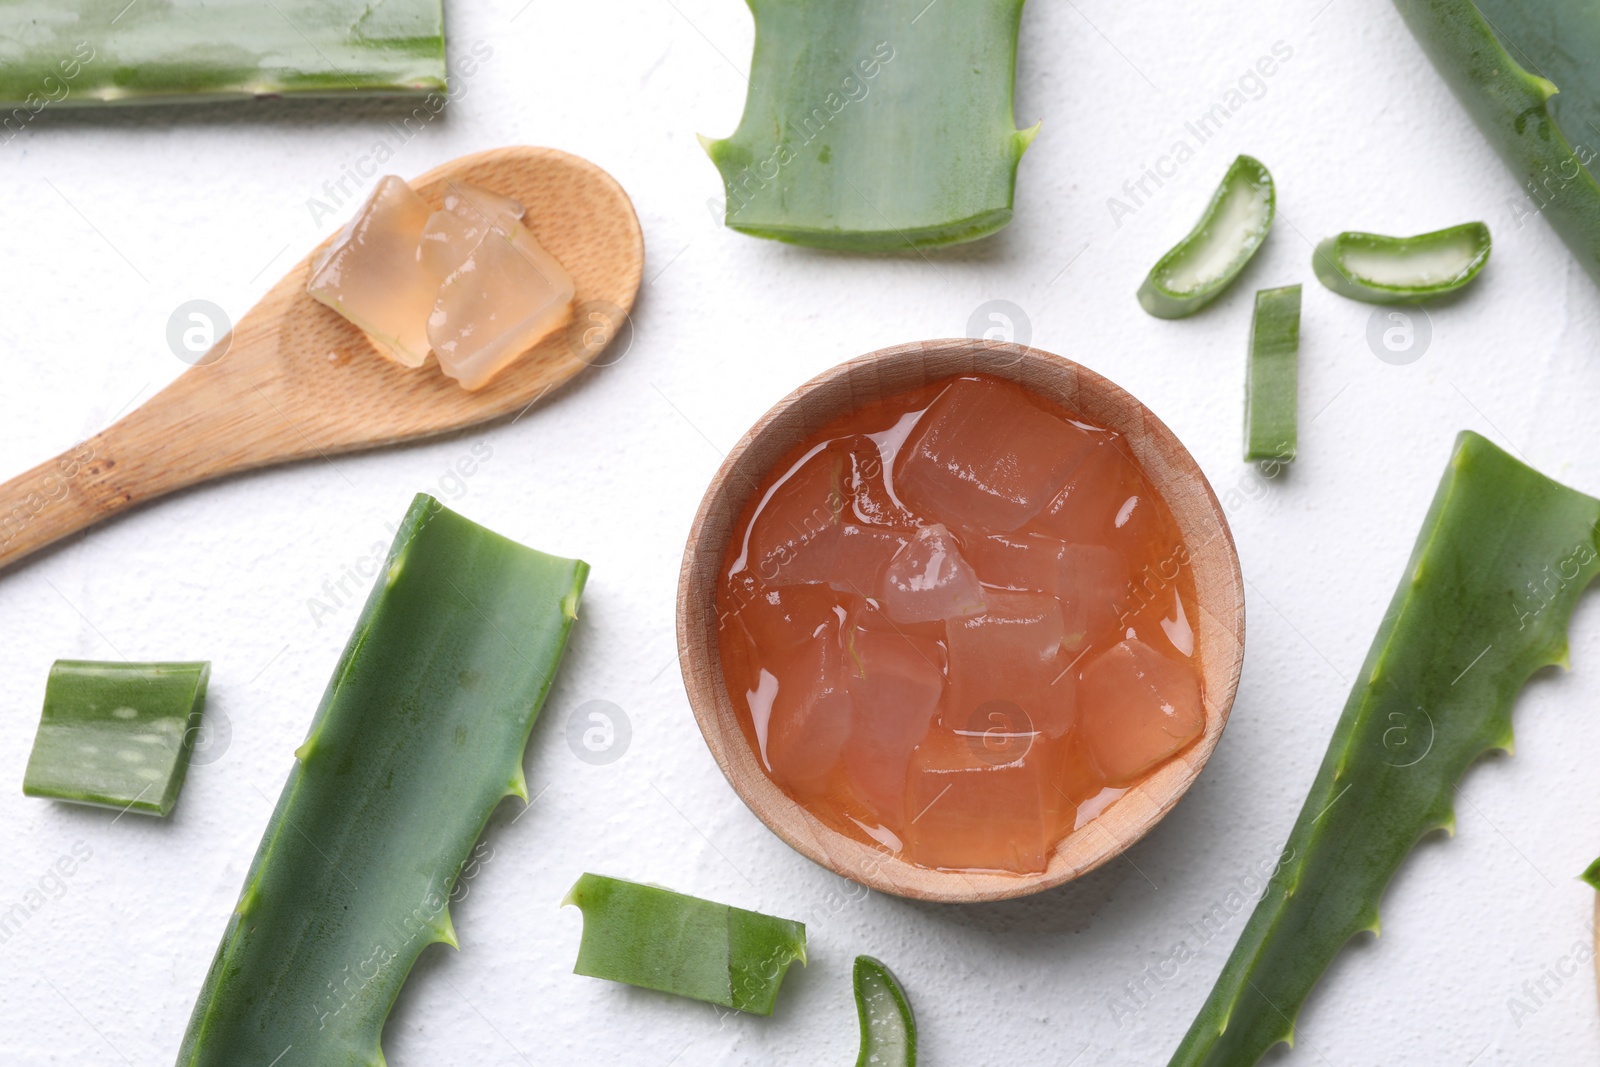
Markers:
{"x": 1233, "y": 226}
{"x": 418, "y": 738}
{"x": 872, "y": 126}
{"x": 1402, "y": 270}
{"x": 1500, "y": 561}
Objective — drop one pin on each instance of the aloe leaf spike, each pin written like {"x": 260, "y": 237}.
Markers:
{"x": 1591, "y": 875}
{"x": 419, "y": 737}
{"x": 888, "y": 1028}
{"x": 1402, "y": 270}
{"x": 1483, "y": 603}
{"x": 1204, "y": 263}
{"x": 875, "y": 125}
{"x": 117, "y": 735}
{"x": 647, "y": 936}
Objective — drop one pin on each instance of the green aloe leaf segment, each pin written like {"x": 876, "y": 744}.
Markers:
{"x": 1402, "y": 270}
{"x": 1204, "y": 263}
{"x": 648, "y": 936}
{"x": 1526, "y": 72}
{"x": 1483, "y": 603}
{"x": 78, "y": 52}
{"x": 117, "y": 735}
{"x": 419, "y": 737}
{"x": 888, "y": 1029}
{"x": 875, "y": 125}
{"x": 1272, "y": 381}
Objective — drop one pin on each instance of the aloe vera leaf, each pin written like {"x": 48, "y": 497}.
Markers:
{"x": 419, "y": 737}
{"x": 1272, "y": 380}
{"x": 888, "y": 1028}
{"x": 117, "y": 735}
{"x": 647, "y": 936}
{"x": 1203, "y": 264}
{"x": 1498, "y": 565}
{"x": 873, "y": 125}
{"x": 111, "y": 51}
{"x": 1402, "y": 270}
{"x": 1507, "y": 61}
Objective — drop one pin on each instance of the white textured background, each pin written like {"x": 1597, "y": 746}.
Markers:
{"x": 113, "y": 219}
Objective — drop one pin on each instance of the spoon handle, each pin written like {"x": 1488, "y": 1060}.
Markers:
{"x": 58, "y": 497}
{"x": 195, "y": 429}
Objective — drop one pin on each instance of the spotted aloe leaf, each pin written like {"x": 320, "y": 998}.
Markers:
{"x": 419, "y": 736}
{"x": 888, "y": 1026}
{"x": 874, "y": 125}
{"x": 1526, "y": 71}
{"x": 1502, "y": 557}
{"x": 117, "y": 735}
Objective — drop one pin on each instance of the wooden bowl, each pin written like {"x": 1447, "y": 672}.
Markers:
{"x": 1219, "y": 628}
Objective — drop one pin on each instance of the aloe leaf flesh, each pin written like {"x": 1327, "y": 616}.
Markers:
{"x": 875, "y": 125}
{"x": 1483, "y": 603}
{"x": 111, "y": 51}
{"x": 1272, "y": 381}
{"x": 1402, "y": 270}
{"x": 644, "y": 935}
{"x": 1526, "y": 72}
{"x": 888, "y": 1028}
{"x": 419, "y": 737}
{"x": 1203, "y": 264}
{"x": 117, "y": 735}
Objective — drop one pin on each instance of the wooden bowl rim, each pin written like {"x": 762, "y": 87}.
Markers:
{"x": 1219, "y": 629}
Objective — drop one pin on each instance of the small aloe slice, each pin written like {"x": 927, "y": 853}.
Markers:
{"x": 1272, "y": 382}
{"x": 1526, "y": 72}
{"x": 874, "y": 126}
{"x": 888, "y": 1029}
{"x": 647, "y": 936}
{"x": 1206, "y": 262}
{"x": 419, "y": 737}
{"x": 117, "y": 735}
{"x": 1402, "y": 270}
{"x": 1498, "y": 565}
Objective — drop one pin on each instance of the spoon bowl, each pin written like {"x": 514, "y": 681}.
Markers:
{"x": 295, "y": 380}
{"x": 1218, "y": 627}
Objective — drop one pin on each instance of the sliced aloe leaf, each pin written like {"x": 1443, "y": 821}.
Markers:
{"x": 1483, "y": 603}
{"x": 873, "y": 126}
{"x": 419, "y": 737}
{"x": 117, "y": 735}
{"x": 1402, "y": 270}
{"x": 1272, "y": 382}
{"x": 888, "y": 1029}
{"x": 1526, "y": 72}
{"x": 648, "y": 936}
{"x": 111, "y": 51}
{"x": 1203, "y": 264}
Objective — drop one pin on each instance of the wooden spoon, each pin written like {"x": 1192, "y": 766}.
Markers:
{"x": 1218, "y": 628}
{"x": 295, "y": 380}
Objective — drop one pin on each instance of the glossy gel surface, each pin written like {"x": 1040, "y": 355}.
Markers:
{"x": 956, "y": 622}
